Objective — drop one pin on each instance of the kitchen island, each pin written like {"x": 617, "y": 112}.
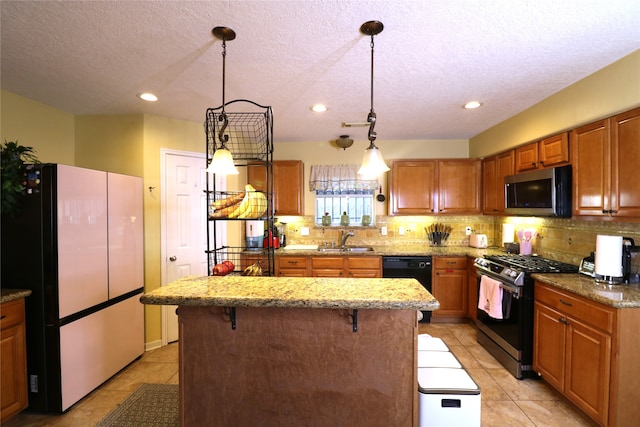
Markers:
{"x": 296, "y": 351}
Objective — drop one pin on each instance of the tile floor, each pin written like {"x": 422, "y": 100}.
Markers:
{"x": 506, "y": 401}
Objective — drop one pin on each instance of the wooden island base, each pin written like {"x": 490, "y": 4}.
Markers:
{"x": 297, "y": 366}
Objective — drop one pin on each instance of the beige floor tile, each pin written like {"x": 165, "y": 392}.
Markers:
{"x": 553, "y": 413}
{"x": 483, "y": 357}
{"x": 502, "y": 414}
{"x": 489, "y": 388}
{"x": 465, "y": 357}
{"x": 525, "y": 389}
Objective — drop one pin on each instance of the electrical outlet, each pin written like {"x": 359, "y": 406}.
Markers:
{"x": 401, "y": 230}
{"x": 383, "y": 231}
{"x": 304, "y": 231}
{"x": 467, "y": 231}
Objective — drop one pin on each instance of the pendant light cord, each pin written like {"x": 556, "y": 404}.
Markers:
{"x": 223, "y": 116}
{"x": 371, "y": 118}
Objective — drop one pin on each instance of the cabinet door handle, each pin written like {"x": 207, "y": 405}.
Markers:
{"x": 2, "y": 317}
{"x": 533, "y": 164}
{"x": 566, "y": 302}
{"x": 562, "y": 320}
{"x": 292, "y": 262}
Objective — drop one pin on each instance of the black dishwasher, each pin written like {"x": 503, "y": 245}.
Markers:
{"x": 410, "y": 267}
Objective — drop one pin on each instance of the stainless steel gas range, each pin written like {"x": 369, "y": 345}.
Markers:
{"x": 510, "y": 339}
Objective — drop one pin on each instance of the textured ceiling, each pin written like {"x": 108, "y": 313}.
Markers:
{"x": 92, "y": 57}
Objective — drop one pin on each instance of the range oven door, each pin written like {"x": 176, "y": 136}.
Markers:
{"x": 510, "y": 340}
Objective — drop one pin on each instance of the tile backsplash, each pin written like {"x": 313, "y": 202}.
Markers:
{"x": 567, "y": 240}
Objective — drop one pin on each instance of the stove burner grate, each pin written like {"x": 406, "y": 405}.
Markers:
{"x": 532, "y": 264}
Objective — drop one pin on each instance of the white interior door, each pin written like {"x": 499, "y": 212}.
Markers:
{"x": 184, "y": 207}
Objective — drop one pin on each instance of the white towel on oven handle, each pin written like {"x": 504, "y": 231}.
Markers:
{"x": 490, "y": 297}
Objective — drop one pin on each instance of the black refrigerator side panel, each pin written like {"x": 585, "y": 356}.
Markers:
{"x": 29, "y": 261}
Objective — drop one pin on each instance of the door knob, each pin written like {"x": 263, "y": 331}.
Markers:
{"x": 173, "y": 258}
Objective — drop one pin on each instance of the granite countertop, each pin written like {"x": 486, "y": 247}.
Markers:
{"x": 7, "y": 295}
{"x": 618, "y": 296}
{"x": 294, "y": 292}
{"x": 399, "y": 250}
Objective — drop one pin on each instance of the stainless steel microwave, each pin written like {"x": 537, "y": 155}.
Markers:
{"x": 544, "y": 192}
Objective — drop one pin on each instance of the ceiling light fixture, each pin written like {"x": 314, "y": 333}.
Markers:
{"x": 344, "y": 142}
{"x": 318, "y": 108}
{"x": 147, "y": 96}
{"x": 372, "y": 163}
{"x": 222, "y": 161}
{"x": 472, "y": 104}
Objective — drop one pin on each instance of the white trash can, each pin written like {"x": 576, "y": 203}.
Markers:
{"x": 447, "y": 397}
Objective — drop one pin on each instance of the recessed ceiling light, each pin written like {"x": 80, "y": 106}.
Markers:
{"x": 472, "y": 104}
{"x": 319, "y": 108}
{"x": 147, "y": 96}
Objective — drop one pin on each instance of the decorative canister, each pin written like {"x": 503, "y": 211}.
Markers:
{"x": 344, "y": 219}
{"x": 366, "y": 220}
{"x": 326, "y": 219}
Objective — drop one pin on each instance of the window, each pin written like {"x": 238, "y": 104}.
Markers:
{"x": 355, "y": 205}
{"x": 339, "y": 192}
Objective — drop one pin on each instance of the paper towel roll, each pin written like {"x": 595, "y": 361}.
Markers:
{"x": 508, "y": 231}
{"x": 609, "y": 255}
{"x": 255, "y": 228}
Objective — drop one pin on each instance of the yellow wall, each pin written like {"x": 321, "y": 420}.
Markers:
{"x": 613, "y": 89}
{"x": 48, "y": 130}
{"x": 111, "y": 143}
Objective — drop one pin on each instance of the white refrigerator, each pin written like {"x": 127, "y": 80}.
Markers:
{"x": 78, "y": 246}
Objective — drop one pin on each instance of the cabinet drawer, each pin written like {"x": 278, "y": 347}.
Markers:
{"x": 12, "y": 313}
{"x": 286, "y": 262}
{"x": 326, "y": 262}
{"x": 589, "y": 312}
{"x": 450, "y": 262}
{"x": 364, "y": 262}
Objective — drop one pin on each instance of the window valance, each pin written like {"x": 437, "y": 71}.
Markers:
{"x": 339, "y": 179}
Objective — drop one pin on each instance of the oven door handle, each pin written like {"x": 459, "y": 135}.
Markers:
{"x": 512, "y": 289}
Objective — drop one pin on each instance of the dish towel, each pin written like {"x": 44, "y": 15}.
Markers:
{"x": 490, "y": 297}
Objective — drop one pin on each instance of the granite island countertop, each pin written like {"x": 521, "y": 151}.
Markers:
{"x": 7, "y": 295}
{"x": 294, "y": 292}
{"x": 618, "y": 296}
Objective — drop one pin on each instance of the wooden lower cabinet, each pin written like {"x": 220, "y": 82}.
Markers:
{"x": 329, "y": 266}
{"x": 583, "y": 349}
{"x": 449, "y": 287}
{"x": 292, "y": 266}
{"x": 13, "y": 357}
{"x": 345, "y": 266}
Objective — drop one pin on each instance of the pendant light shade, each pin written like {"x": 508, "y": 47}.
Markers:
{"x": 372, "y": 163}
{"x": 222, "y": 161}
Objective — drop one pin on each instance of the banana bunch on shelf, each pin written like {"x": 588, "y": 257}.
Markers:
{"x": 245, "y": 205}
{"x": 253, "y": 270}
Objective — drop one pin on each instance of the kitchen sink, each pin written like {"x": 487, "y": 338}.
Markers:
{"x": 346, "y": 249}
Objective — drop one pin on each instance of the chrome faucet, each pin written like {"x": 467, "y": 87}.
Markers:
{"x": 344, "y": 237}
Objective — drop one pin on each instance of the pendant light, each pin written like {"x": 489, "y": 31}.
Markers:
{"x": 222, "y": 161}
{"x": 372, "y": 163}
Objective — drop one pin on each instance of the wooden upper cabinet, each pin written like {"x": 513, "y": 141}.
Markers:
{"x": 625, "y": 160}
{"x": 413, "y": 187}
{"x": 288, "y": 185}
{"x": 590, "y": 148}
{"x": 425, "y": 187}
{"x": 494, "y": 169}
{"x": 605, "y": 158}
{"x": 552, "y": 151}
{"x": 459, "y": 186}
